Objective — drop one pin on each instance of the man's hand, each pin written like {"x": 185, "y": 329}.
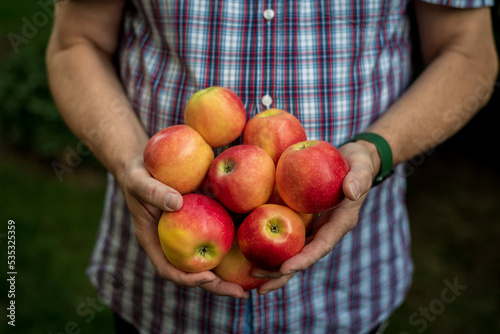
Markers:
{"x": 147, "y": 198}
{"x": 332, "y": 225}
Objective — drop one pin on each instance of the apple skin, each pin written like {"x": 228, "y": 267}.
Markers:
{"x": 178, "y": 157}
{"x": 270, "y": 235}
{"x": 307, "y": 218}
{"x": 309, "y": 176}
{"x": 237, "y": 269}
{"x": 274, "y": 130}
{"x": 204, "y": 188}
{"x": 242, "y": 178}
{"x": 217, "y": 113}
{"x": 198, "y": 236}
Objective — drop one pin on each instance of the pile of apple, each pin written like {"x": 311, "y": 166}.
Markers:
{"x": 269, "y": 187}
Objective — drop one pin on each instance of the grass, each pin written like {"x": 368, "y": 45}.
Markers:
{"x": 56, "y": 224}
{"x": 26, "y": 19}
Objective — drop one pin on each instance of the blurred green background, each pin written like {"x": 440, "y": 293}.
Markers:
{"x": 453, "y": 198}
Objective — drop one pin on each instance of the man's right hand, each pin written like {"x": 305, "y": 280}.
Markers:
{"x": 147, "y": 198}
{"x": 86, "y": 88}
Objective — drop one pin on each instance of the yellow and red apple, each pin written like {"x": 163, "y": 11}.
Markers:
{"x": 274, "y": 130}
{"x": 198, "y": 236}
{"x": 178, "y": 157}
{"x": 217, "y": 113}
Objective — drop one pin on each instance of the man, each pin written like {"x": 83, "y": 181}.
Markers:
{"x": 342, "y": 67}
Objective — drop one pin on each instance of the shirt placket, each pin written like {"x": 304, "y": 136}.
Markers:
{"x": 268, "y": 30}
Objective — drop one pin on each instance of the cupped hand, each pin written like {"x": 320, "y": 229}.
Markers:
{"x": 147, "y": 198}
{"x": 331, "y": 225}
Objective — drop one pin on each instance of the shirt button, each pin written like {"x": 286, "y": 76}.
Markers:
{"x": 269, "y": 14}
{"x": 267, "y": 100}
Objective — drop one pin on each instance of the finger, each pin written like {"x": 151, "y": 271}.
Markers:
{"x": 324, "y": 241}
{"x": 359, "y": 179}
{"x": 222, "y": 288}
{"x": 148, "y": 239}
{"x": 274, "y": 284}
{"x": 262, "y": 273}
{"x": 152, "y": 191}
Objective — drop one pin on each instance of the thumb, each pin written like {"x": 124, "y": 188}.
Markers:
{"x": 173, "y": 201}
{"x": 357, "y": 182}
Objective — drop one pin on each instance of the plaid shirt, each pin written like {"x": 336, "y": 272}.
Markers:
{"x": 336, "y": 65}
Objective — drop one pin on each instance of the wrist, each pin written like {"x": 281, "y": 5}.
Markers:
{"x": 125, "y": 164}
{"x": 382, "y": 162}
{"x": 125, "y": 156}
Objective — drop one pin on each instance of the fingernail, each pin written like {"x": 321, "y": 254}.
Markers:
{"x": 172, "y": 202}
{"x": 259, "y": 275}
{"x": 355, "y": 189}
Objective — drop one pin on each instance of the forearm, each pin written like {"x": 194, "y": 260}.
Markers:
{"x": 458, "y": 48}
{"x": 450, "y": 91}
{"x": 91, "y": 99}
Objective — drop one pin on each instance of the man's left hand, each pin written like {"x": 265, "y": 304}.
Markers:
{"x": 332, "y": 225}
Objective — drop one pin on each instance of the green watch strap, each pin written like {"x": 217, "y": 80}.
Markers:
{"x": 384, "y": 151}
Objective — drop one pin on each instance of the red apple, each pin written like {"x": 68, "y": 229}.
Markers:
{"x": 270, "y": 235}
{"x": 198, "y": 236}
{"x": 307, "y": 218}
{"x": 309, "y": 176}
{"x": 179, "y": 157}
{"x": 242, "y": 177}
{"x": 273, "y": 130}
{"x": 236, "y": 268}
{"x": 217, "y": 113}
